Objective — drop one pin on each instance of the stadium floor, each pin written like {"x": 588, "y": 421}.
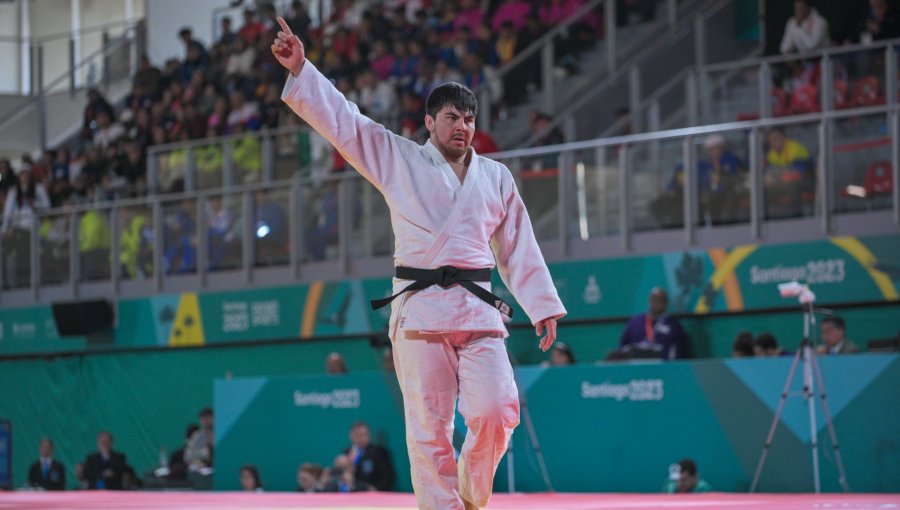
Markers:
{"x": 366, "y": 501}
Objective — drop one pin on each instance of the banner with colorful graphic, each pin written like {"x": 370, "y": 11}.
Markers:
{"x": 607, "y": 428}
{"x": 840, "y": 270}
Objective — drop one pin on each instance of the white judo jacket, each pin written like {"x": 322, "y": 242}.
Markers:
{"x": 436, "y": 220}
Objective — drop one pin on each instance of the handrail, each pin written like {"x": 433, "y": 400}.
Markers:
{"x": 503, "y": 155}
{"x": 539, "y": 43}
{"x": 806, "y": 55}
{"x": 22, "y": 109}
{"x": 697, "y": 130}
{"x": 580, "y": 102}
{"x": 68, "y": 35}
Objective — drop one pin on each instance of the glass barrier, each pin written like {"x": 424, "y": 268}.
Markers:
{"x": 246, "y": 151}
{"x": 861, "y": 163}
{"x": 209, "y": 164}
{"x": 136, "y": 240}
{"x": 224, "y": 221}
{"x": 180, "y": 236}
{"x": 94, "y": 243}
{"x": 859, "y": 78}
{"x": 293, "y": 152}
{"x": 595, "y": 175}
{"x": 321, "y": 217}
{"x": 734, "y": 94}
{"x": 271, "y": 227}
{"x": 656, "y": 180}
{"x": 537, "y": 178}
{"x": 723, "y": 187}
{"x": 55, "y": 248}
{"x": 17, "y": 257}
{"x": 790, "y": 159}
{"x": 371, "y": 234}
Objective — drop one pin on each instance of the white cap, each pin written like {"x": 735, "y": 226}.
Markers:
{"x": 714, "y": 140}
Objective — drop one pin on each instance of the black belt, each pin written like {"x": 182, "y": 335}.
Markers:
{"x": 445, "y": 277}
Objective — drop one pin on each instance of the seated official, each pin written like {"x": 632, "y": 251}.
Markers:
{"x": 104, "y": 469}
{"x": 654, "y": 333}
{"x": 47, "y": 473}
{"x": 371, "y": 463}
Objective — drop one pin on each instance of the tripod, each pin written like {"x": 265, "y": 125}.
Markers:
{"x": 536, "y": 446}
{"x": 811, "y": 372}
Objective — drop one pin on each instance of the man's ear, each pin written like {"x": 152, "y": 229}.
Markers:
{"x": 429, "y": 123}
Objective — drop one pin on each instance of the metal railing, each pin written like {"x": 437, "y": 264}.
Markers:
{"x": 114, "y": 60}
{"x": 641, "y": 193}
{"x": 724, "y": 92}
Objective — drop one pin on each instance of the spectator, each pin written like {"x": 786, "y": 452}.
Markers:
{"x": 23, "y": 201}
{"x": 340, "y": 477}
{"x": 766, "y": 346}
{"x": 540, "y": 123}
{"x": 148, "y": 78}
{"x": 372, "y": 463}
{"x": 108, "y": 132}
{"x": 484, "y": 143}
{"x": 377, "y": 98}
{"x": 243, "y": 112}
{"x": 654, "y": 331}
{"x": 198, "y": 453}
{"x": 308, "y": 475}
{"x": 881, "y": 22}
{"x": 721, "y": 183}
{"x": 96, "y": 104}
{"x": 807, "y": 30}
{"x": 834, "y": 340}
{"x": 104, "y": 469}
{"x": 470, "y": 15}
{"x": 514, "y": 12}
{"x": 335, "y": 364}
{"x": 476, "y": 75}
{"x": 789, "y": 176}
{"x": 241, "y": 59}
{"x": 81, "y": 483}
{"x": 94, "y": 241}
{"x": 228, "y": 36}
{"x": 250, "y": 481}
{"x": 47, "y": 473}
{"x": 683, "y": 478}
{"x": 561, "y": 355}
{"x": 743, "y": 345}
{"x": 178, "y": 468}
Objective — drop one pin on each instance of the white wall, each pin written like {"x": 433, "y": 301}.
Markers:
{"x": 165, "y": 18}
{"x": 10, "y": 52}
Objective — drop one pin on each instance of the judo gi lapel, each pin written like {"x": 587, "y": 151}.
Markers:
{"x": 463, "y": 196}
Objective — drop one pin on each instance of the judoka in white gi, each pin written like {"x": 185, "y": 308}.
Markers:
{"x": 449, "y": 208}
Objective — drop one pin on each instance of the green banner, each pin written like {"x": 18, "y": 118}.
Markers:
{"x": 614, "y": 427}
{"x": 841, "y": 270}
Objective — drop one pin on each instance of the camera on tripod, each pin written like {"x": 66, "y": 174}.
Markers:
{"x": 797, "y": 290}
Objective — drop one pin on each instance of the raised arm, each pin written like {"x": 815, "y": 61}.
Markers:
{"x": 368, "y": 146}
{"x": 522, "y": 267}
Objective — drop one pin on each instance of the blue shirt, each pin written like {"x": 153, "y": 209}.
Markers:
{"x": 706, "y": 180}
{"x": 666, "y": 332}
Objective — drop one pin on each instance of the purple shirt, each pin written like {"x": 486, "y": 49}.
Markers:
{"x": 666, "y": 331}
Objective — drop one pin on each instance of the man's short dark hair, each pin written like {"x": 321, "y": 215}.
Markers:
{"x": 766, "y": 341}
{"x": 452, "y": 94}
{"x": 836, "y": 322}
{"x": 688, "y": 466}
{"x": 359, "y": 423}
{"x": 206, "y": 411}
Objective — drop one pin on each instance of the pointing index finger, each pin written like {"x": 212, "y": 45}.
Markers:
{"x": 284, "y": 26}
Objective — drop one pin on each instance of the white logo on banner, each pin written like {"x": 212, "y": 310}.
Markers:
{"x": 636, "y": 390}
{"x": 815, "y": 271}
{"x": 592, "y": 294}
{"x": 335, "y": 399}
{"x": 239, "y": 316}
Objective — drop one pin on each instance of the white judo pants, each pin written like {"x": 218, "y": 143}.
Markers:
{"x": 435, "y": 369}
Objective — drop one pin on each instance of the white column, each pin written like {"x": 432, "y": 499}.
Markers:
{"x": 24, "y": 37}
{"x": 129, "y": 10}
{"x": 76, "y": 38}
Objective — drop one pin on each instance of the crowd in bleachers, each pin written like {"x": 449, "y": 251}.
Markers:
{"x": 858, "y": 77}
